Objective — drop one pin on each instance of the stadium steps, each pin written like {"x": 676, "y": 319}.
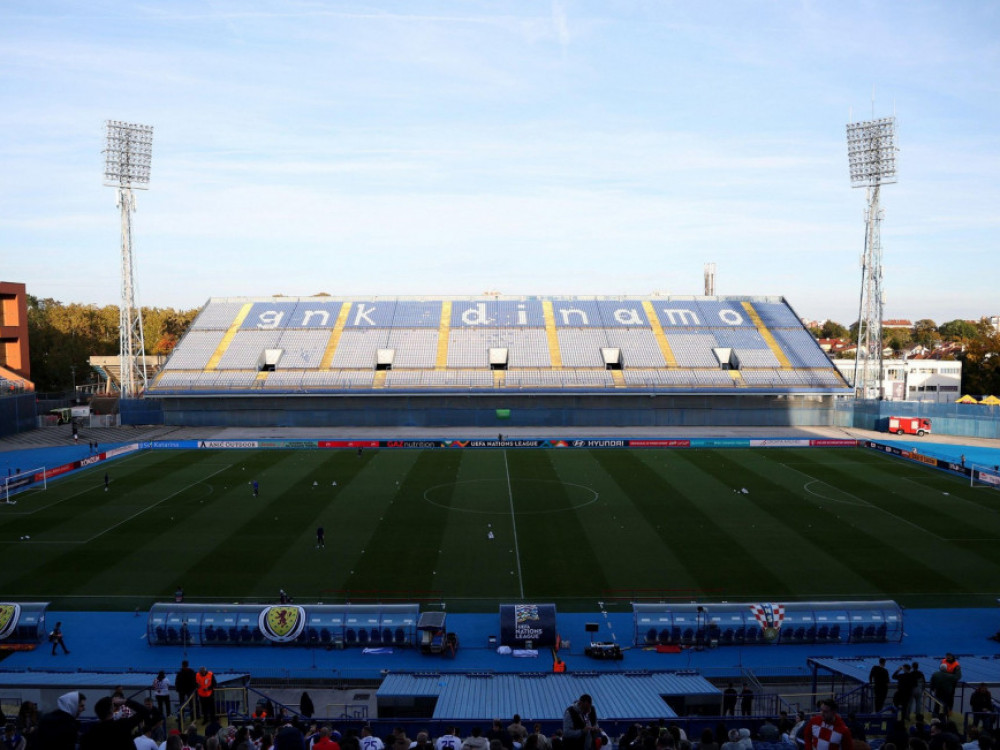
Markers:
{"x": 234, "y": 328}
{"x": 441, "y": 357}
{"x": 772, "y": 343}
{"x": 555, "y": 354}
{"x": 338, "y": 330}
{"x": 661, "y": 338}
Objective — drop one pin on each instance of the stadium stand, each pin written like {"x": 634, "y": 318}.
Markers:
{"x": 273, "y": 344}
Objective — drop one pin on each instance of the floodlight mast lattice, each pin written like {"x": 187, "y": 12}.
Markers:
{"x": 871, "y": 153}
{"x": 126, "y": 167}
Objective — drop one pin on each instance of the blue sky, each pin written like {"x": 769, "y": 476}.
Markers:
{"x": 451, "y": 148}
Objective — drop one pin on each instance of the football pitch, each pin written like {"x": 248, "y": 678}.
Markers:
{"x": 474, "y": 528}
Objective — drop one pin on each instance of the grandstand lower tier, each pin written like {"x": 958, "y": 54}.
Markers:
{"x": 490, "y": 410}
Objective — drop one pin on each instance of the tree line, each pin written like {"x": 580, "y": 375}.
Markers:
{"x": 980, "y": 356}
{"x": 63, "y": 337}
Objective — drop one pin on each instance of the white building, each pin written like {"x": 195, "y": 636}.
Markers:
{"x": 914, "y": 379}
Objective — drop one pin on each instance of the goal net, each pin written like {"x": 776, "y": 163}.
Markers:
{"x": 22, "y": 480}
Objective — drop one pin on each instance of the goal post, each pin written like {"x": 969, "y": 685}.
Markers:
{"x": 21, "y": 481}
{"x": 984, "y": 476}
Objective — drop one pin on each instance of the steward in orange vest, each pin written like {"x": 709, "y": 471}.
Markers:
{"x": 206, "y": 693}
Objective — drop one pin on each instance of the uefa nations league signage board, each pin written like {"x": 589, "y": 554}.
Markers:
{"x": 528, "y": 625}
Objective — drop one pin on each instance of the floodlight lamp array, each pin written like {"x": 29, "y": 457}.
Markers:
{"x": 871, "y": 151}
{"x": 128, "y": 154}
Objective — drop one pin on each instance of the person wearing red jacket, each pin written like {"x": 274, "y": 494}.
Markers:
{"x": 826, "y": 730}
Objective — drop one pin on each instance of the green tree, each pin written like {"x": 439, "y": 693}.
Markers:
{"x": 958, "y": 330}
{"x": 981, "y": 363}
{"x": 63, "y": 337}
{"x": 925, "y": 333}
{"x": 833, "y": 330}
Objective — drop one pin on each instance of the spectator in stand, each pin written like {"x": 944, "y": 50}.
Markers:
{"x": 746, "y": 701}
{"x": 110, "y": 733}
{"x": 768, "y": 732}
{"x": 449, "y": 740}
{"x": 206, "y": 693}
{"x": 794, "y": 735}
{"x": 708, "y": 740}
{"x": 185, "y": 683}
{"x": 497, "y": 732}
{"x": 734, "y": 741}
{"x": 161, "y": 688}
{"x": 58, "y": 729}
{"x": 729, "y": 696}
{"x": 905, "y": 682}
{"x": 12, "y": 739}
{"x": 27, "y": 720}
{"x": 517, "y": 731}
{"x": 325, "y": 741}
{"x": 541, "y": 741}
{"x": 369, "y": 741}
{"x": 475, "y": 740}
{"x": 981, "y": 703}
{"x": 826, "y": 730}
{"x": 878, "y": 678}
{"x": 943, "y": 683}
{"x": 919, "y": 683}
{"x": 580, "y": 727}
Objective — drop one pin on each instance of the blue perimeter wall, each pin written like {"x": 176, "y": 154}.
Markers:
{"x": 965, "y": 420}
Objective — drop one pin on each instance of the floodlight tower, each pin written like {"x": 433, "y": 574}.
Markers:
{"x": 126, "y": 166}
{"x": 871, "y": 152}
{"x": 709, "y": 279}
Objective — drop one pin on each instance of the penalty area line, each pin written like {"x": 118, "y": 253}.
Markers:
{"x": 158, "y": 502}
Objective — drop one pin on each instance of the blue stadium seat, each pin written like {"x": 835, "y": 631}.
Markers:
{"x": 245, "y": 635}
{"x": 752, "y": 634}
{"x": 234, "y": 635}
{"x": 858, "y": 633}
{"x": 376, "y": 636}
{"x": 350, "y": 637}
{"x": 881, "y": 631}
{"x": 811, "y": 633}
{"x": 172, "y": 635}
{"x": 324, "y": 635}
{"x": 400, "y": 637}
{"x": 835, "y": 633}
{"x": 362, "y": 637}
{"x": 823, "y": 633}
{"x": 387, "y": 636}
{"x": 209, "y": 634}
{"x": 222, "y": 635}
{"x": 665, "y": 636}
{"x": 651, "y": 637}
{"x": 728, "y": 635}
{"x": 870, "y": 633}
{"x": 161, "y": 633}
{"x": 313, "y": 635}
{"x": 688, "y": 636}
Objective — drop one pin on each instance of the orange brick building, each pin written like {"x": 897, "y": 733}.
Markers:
{"x": 15, "y": 366}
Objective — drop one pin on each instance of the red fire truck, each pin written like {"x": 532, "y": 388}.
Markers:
{"x": 910, "y": 426}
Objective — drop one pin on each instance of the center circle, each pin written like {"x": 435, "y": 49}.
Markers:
{"x": 494, "y": 496}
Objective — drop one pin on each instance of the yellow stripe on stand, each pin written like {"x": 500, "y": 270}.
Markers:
{"x": 213, "y": 361}
{"x": 555, "y": 356}
{"x": 619, "y": 377}
{"x": 498, "y": 378}
{"x": 737, "y": 378}
{"x": 444, "y": 330}
{"x": 768, "y": 337}
{"x": 659, "y": 335}
{"x": 338, "y": 330}
{"x": 380, "y": 376}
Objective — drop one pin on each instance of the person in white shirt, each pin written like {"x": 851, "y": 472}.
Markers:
{"x": 449, "y": 741}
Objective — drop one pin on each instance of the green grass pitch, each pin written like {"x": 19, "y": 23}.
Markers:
{"x": 573, "y": 527}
